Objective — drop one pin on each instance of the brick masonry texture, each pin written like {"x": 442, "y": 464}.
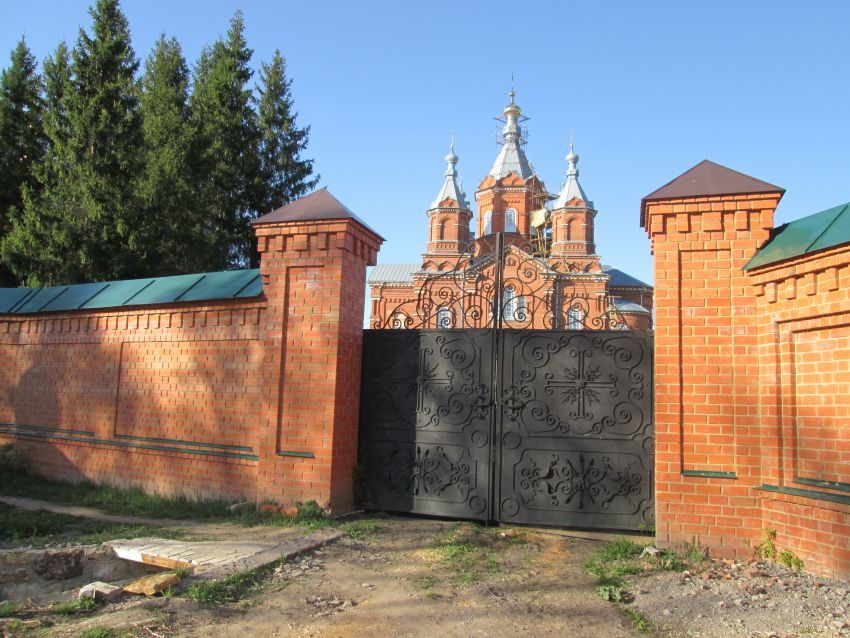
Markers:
{"x": 233, "y": 399}
{"x": 751, "y": 376}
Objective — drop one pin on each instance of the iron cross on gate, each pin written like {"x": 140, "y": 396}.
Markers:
{"x": 424, "y": 381}
{"x": 581, "y": 385}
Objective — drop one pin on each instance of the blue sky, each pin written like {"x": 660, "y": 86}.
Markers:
{"x": 650, "y": 88}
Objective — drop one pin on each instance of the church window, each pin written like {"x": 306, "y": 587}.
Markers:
{"x": 441, "y": 233}
{"x": 488, "y": 222}
{"x": 510, "y": 220}
{"x": 445, "y": 318}
{"x": 575, "y": 319}
{"x": 513, "y": 305}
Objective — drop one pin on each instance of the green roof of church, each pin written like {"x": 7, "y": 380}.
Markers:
{"x": 825, "y": 229}
{"x": 210, "y": 286}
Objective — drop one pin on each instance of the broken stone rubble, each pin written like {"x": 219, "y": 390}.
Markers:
{"x": 101, "y": 591}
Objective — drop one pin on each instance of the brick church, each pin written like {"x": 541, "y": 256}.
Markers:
{"x": 533, "y": 265}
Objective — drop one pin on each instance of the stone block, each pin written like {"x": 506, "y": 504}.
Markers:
{"x": 14, "y": 575}
{"x": 101, "y": 591}
{"x": 60, "y": 565}
{"x": 152, "y": 585}
{"x": 17, "y": 558}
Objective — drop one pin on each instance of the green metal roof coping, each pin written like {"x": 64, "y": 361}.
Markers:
{"x": 825, "y": 229}
{"x": 229, "y": 284}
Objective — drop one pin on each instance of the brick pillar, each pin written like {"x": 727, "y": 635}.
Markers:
{"x": 314, "y": 275}
{"x": 706, "y": 361}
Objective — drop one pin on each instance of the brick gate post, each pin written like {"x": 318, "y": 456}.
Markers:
{"x": 314, "y": 254}
{"x": 704, "y": 226}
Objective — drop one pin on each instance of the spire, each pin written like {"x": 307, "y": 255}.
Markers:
{"x": 572, "y": 189}
{"x": 451, "y": 189}
{"x": 511, "y": 158}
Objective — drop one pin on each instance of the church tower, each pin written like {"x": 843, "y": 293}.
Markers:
{"x": 511, "y": 189}
{"x": 573, "y": 247}
{"x": 449, "y": 215}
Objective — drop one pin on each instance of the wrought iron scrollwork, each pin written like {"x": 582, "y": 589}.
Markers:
{"x": 497, "y": 282}
{"x": 582, "y": 481}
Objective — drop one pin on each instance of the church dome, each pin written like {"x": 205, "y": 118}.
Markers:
{"x": 512, "y": 108}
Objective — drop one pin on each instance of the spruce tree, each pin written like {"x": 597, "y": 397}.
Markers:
{"x": 227, "y": 160}
{"x": 85, "y": 225}
{"x": 41, "y": 239}
{"x": 21, "y": 140}
{"x": 106, "y": 144}
{"x": 285, "y": 176}
{"x": 175, "y": 232}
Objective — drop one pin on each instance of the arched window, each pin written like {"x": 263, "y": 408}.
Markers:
{"x": 441, "y": 230}
{"x": 488, "y": 222}
{"x": 575, "y": 319}
{"x": 445, "y": 318}
{"x": 513, "y": 305}
{"x": 510, "y": 220}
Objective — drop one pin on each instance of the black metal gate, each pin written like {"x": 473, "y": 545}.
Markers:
{"x": 541, "y": 426}
{"x": 567, "y": 440}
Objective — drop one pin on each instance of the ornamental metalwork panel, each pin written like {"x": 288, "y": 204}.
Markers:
{"x": 426, "y": 422}
{"x": 575, "y": 428}
{"x": 501, "y": 281}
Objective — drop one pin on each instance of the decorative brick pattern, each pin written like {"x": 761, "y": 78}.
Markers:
{"x": 231, "y": 399}
{"x": 751, "y": 376}
{"x": 147, "y": 397}
{"x": 313, "y": 276}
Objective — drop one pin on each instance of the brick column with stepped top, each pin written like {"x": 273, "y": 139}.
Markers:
{"x": 704, "y": 226}
{"x": 314, "y": 254}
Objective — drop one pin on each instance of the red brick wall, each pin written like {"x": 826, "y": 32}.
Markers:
{"x": 804, "y": 335}
{"x": 161, "y": 397}
{"x": 751, "y": 377}
{"x": 233, "y": 399}
{"x": 314, "y": 275}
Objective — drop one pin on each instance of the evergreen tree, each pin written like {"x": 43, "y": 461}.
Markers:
{"x": 85, "y": 225}
{"x": 40, "y": 240}
{"x": 285, "y": 176}
{"x": 57, "y": 80}
{"x": 21, "y": 139}
{"x": 106, "y": 143}
{"x": 227, "y": 168}
{"x": 175, "y": 230}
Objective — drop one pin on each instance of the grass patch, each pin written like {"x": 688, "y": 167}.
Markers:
{"x": 135, "y": 502}
{"x": 107, "y": 632}
{"x": 308, "y": 515}
{"x": 7, "y": 609}
{"x": 75, "y": 606}
{"x": 471, "y": 550}
{"x": 361, "y": 528}
{"x": 618, "y": 558}
{"x": 426, "y": 582}
{"x": 39, "y": 527}
{"x": 311, "y": 517}
{"x": 114, "y": 500}
{"x": 226, "y": 590}
{"x": 623, "y": 557}
{"x": 639, "y": 622}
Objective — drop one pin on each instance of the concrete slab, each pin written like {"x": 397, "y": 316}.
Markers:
{"x": 216, "y": 557}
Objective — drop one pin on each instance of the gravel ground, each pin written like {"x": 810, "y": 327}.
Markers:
{"x": 401, "y": 580}
{"x": 728, "y": 598}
